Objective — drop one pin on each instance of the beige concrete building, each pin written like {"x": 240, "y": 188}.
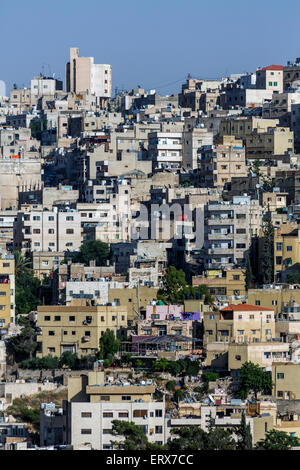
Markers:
{"x": 77, "y": 328}
{"x": 82, "y": 75}
{"x": 241, "y": 323}
{"x": 218, "y": 164}
{"x": 263, "y": 353}
{"x": 7, "y": 290}
{"x": 286, "y": 380}
{"x": 270, "y": 78}
{"x": 276, "y": 141}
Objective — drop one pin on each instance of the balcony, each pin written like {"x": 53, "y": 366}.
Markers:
{"x": 220, "y": 221}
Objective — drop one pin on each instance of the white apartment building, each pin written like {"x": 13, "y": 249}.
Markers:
{"x": 41, "y": 86}
{"x": 47, "y": 231}
{"x": 91, "y": 423}
{"x": 165, "y": 150}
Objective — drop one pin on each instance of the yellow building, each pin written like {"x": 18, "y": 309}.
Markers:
{"x": 129, "y": 299}
{"x": 7, "y": 290}
{"x": 227, "y": 283}
{"x": 241, "y": 323}
{"x": 286, "y": 250}
{"x": 286, "y": 380}
{"x": 77, "y": 328}
{"x": 277, "y": 299}
{"x": 261, "y": 353}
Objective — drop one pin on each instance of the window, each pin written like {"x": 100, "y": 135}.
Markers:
{"x": 123, "y": 414}
{"x": 106, "y": 431}
{"x": 87, "y": 431}
{"x": 104, "y": 398}
{"x": 268, "y": 332}
{"x": 51, "y": 230}
{"x": 240, "y": 332}
{"x": 50, "y": 218}
{"x": 2, "y": 293}
{"x": 257, "y": 302}
{"x": 125, "y": 397}
{"x": 280, "y": 375}
{"x": 36, "y": 230}
{"x": 158, "y": 413}
{"x": 158, "y": 430}
{"x": 211, "y": 317}
{"x": 279, "y": 394}
{"x": 69, "y": 217}
{"x": 251, "y": 317}
{"x": 236, "y": 277}
{"x": 278, "y": 246}
{"x": 108, "y": 415}
{"x": 51, "y": 333}
{"x": 36, "y": 217}
{"x": 140, "y": 413}
{"x": 86, "y": 414}
{"x": 70, "y": 230}
{"x": 51, "y": 350}
{"x": 289, "y": 248}
{"x": 47, "y": 318}
{"x": 278, "y": 259}
{"x": 57, "y": 318}
{"x": 71, "y": 318}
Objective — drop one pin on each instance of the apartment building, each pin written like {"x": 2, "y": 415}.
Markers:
{"x": 278, "y": 297}
{"x": 276, "y": 141}
{"x": 77, "y": 328}
{"x": 224, "y": 285}
{"x": 92, "y": 406}
{"x": 295, "y": 125}
{"x": 165, "y": 150}
{"x": 42, "y": 85}
{"x": 229, "y": 228}
{"x": 286, "y": 252}
{"x": 218, "y": 164}
{"x": 192, "y": 141}
{"x": 291, "y": 74}
{"x": 245, "y": 125}
{"x": 241, "y": 323}
{"x": 44, "y": 230}
{"x": 286, "y": 379}
{"x": 7, "y": 290}
{"x": 280, "y": 107}
{"x": 82, "y": 75}
{"x": 265, "y": 354}
{"x": 270, "y": 78}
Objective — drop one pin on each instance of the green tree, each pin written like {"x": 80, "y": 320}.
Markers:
{"x": 268, "y": 252}
{"x": 93, "y": 250}
{"x": 188, "y": 438}
{"x": 171, "y": 385}
{"x": 277, "y": 440}
{"x": 249, "y": 273}
{"x": 134, "y": 437}
{"x": 23, "y": 345}
{"x": 27, "y": 286}
{"x": 174, "y": 284}
{"x": 161, "y": 365}
{"x": 252, "y": 377}
{"x": 220, "y": 439}
{"x": 244, "y": 435}
{"x": 109, "y": 345}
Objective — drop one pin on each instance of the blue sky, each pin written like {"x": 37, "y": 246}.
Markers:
{"x": 153, "y": 44}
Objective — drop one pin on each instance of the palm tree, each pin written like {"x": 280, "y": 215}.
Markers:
{"x": 22, "y": 264}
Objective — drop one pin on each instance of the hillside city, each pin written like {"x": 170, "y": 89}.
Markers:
{"x": 150, "y": 262}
